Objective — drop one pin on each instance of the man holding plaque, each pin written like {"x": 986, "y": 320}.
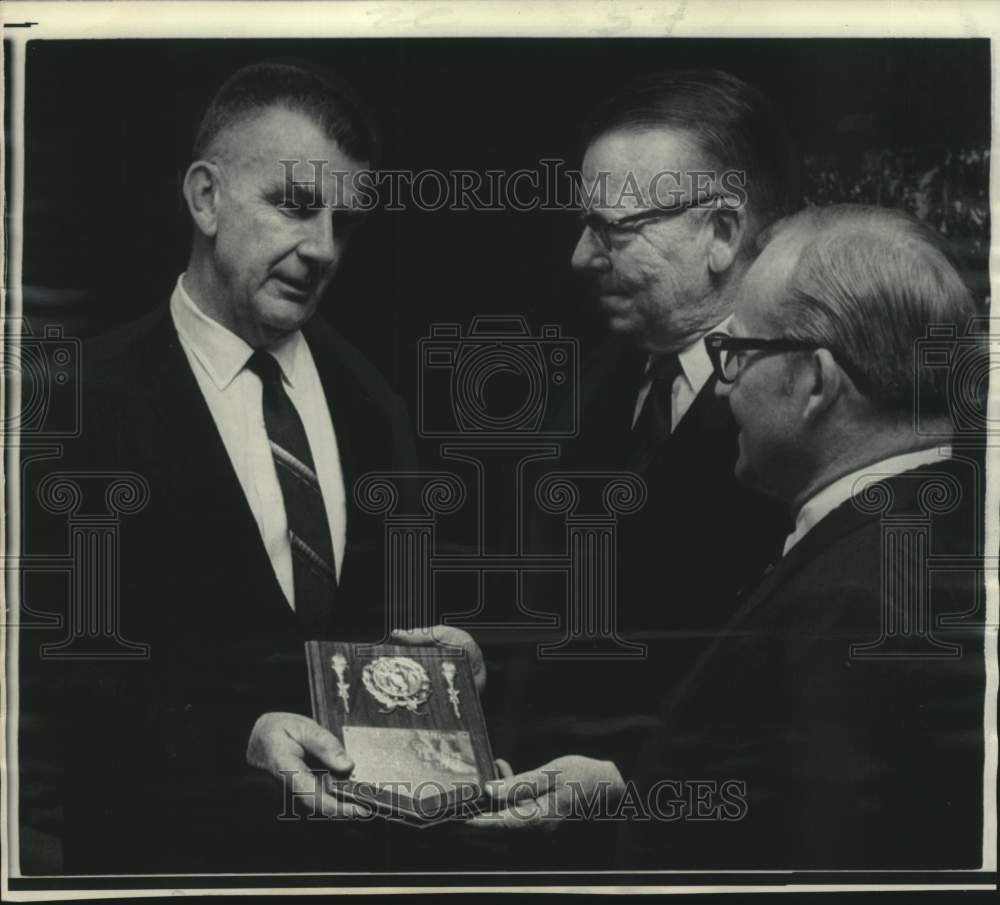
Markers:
{"x": 681, "y": 171}
{"x": 248, "y": 420}
{"x": 837, "y": 721}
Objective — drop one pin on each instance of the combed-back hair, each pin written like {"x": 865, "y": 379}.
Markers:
{"x": 867, "y": 284}
{"x": 733, "y": 124}
{"x": 304, "y": 88}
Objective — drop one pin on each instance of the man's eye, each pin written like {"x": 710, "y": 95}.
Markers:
{"x": 295, "y": 213}
{"x": 298, "y": 203}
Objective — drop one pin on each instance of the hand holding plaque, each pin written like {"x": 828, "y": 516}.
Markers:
{"x": 409, "y": 717}
{"x": 283, "y": 744}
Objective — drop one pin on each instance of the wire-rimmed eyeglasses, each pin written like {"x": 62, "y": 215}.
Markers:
{"x": 609, "y": 230}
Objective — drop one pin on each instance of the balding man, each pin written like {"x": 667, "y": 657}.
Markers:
{"x": 250, "y": 419}
{"x": 837, "y": 721}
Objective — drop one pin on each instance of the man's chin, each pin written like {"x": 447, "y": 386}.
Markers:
{"x": 742, "y": 470}
{"x": 283, "y": 316}
{"x": 622, "y": 321}
{"x": 754, "y": 480}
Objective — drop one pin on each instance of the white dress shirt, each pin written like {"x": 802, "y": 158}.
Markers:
{"x": 696, "y": 369}
{"x": 821, "y": 504}
{"x": 218, "y": 359}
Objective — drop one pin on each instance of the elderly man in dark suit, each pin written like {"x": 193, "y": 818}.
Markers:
{"x": 713, "y": 166}
{"x": 249, "y": 420}
{"x": 837, "y": 721}
{"x": 681, "y": 172}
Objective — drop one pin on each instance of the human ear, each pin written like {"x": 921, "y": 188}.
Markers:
{"x": 824, "y": 381}
{"x": 728, "y": 226}
{"x": 201, "y": 192}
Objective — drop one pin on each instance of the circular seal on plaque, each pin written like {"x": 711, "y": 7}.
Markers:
{"x": 397, "y": 682}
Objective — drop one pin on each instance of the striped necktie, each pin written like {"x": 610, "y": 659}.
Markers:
{"x": 313, "y": 566}
{"x": 653, "y": 425}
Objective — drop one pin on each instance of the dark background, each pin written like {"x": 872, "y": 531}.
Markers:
{"x": 109, "y": 127}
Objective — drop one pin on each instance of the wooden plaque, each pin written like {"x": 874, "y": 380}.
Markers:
{"x": 410, "y": 719}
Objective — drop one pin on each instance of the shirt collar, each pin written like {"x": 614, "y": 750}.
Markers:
{"x": 221, "y": 352}
{"x": 821, "y": 504}
{"x": 696, "y": 364}
{"x": 289, "y": 351}
{"x": 694, "y": 361}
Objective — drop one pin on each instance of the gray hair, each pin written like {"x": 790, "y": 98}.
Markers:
{"x": 305, "y": 88}
{"x": 867, "y": 283}
{"x": 732, "y": 122}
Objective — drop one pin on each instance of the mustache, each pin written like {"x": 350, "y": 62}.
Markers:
{"x": 599, "y": 284}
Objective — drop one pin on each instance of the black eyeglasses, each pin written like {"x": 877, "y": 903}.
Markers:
{"x": 727, "y": 354}
{"x": 608, "y": 230}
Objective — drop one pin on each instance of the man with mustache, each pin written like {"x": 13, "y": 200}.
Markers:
{"x": 249, "y": 419}
{"x": 837, "y": 721}
{"x": 681, "y": 172}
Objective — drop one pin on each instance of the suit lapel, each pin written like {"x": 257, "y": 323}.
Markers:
{"x": 199, "y": 476}
{"x": 607, "y": 402}
{"x": 707, "y": 416}
{"x": 607, "y": 405}
{"x": 843, "y": 520}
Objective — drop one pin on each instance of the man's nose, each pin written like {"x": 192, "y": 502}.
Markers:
{"x": 320, "y": 244}
{"x": 589, "y": 254}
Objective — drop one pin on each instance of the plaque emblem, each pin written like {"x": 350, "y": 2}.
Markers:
{"x": 339, "y": 664}
{"x": 397, "y": 682}
{"x": 448, "y": 671}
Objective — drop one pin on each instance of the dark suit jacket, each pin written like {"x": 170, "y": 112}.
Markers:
{"x": 847, "y": 762}
{"x": 699, "y": 539}
{"x": 153, "y": 751}
{"x": 701, "y": 535}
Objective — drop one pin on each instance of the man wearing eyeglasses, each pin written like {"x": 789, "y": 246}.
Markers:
{"x": 837, "y": 721}
{"x": 680, "y": 173}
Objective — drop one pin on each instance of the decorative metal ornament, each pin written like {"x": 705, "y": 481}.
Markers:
{"x": 397, "y": 682}
{"x": 448, "y": 671}
{"x": 339, "y": 663}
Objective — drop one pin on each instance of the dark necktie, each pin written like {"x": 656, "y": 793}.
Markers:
{"x": 652, "y": 427}
{"x": 313, "y": 567}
